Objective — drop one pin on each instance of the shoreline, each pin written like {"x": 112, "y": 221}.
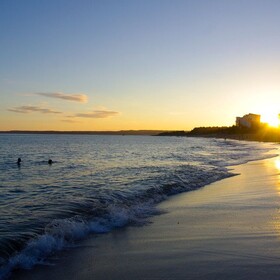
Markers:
{"x": 228, "y": 229}
{"x": 245, "y": 137}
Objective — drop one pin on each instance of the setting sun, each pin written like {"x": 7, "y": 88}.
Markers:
{"x": 272, "y": 119}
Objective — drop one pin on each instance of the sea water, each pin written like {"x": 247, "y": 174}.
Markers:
{"x": 97, "y": 183}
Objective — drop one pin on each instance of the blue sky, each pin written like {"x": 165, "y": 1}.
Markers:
{"x": 154, "y": 64}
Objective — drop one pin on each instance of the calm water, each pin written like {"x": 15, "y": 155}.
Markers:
{"x": 97, "y": 183}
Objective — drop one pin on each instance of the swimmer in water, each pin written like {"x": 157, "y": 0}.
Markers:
{"x": 50, "y": 161}
{"x": 19, "y": 161}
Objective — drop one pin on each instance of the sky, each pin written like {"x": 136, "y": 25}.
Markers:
{"x": 137, "y": 64}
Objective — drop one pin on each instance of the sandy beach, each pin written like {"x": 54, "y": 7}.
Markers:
{"x": 227, "y": 230}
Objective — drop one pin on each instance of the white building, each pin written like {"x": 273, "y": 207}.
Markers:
{"x": 249, "y": 120}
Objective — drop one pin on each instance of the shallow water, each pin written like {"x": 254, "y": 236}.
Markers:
{"x": 97, "y": 183}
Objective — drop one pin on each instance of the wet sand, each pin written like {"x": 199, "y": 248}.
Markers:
{"x": 227, "y": 230}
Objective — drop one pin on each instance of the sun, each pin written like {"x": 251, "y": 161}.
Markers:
{"x": 277, "y": 163}
{"x": 272, "y": 119}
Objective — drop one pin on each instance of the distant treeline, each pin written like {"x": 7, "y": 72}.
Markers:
{"x": 263, "y": 133}
{"x": 202, "y": 131}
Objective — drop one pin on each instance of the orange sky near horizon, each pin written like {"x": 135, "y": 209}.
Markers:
{"x": 153, "y": 65}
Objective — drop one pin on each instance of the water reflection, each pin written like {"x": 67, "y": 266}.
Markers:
{"x": 277, "y": 163}
{"x": 274, "y": 202}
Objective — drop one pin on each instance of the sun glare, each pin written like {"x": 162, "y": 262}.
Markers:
{"x": 277, "y": 163}
{"x": 271, "y": 119}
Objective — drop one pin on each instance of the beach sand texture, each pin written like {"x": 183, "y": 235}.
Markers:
{"x": 227, "y": 230}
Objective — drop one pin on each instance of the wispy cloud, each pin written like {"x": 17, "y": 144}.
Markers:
{"x": 31, "y": 109}
{"x": 70, "y": 121}
{"x": 77, "y": 97}
{"x": 97, "y": 114}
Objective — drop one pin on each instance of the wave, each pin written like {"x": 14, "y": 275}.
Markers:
{"x": 117, "y": 210}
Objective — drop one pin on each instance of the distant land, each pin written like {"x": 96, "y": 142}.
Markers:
{"x": 120, "y": 132}
{"x": 262, "y": 133}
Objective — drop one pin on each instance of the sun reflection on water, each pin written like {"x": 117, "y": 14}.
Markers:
{"x": 276, "y": 218}
{"x": 277, "y": 163}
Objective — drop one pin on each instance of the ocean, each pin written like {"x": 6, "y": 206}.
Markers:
{"x": 97, "y": 183}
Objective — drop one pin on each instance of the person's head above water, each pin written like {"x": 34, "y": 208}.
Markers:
{"x": 50, "y": 161}
{"x": 19, "y": 160}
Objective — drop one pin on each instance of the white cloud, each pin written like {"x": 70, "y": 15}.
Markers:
{"x": 30, "y": 109}
{"x": 77, "y": 97}
{"x": 70, "y": 121}
{"x": 97, "y": 114}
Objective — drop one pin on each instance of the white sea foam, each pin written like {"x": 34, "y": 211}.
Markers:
{"x": 64, "y": 232}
